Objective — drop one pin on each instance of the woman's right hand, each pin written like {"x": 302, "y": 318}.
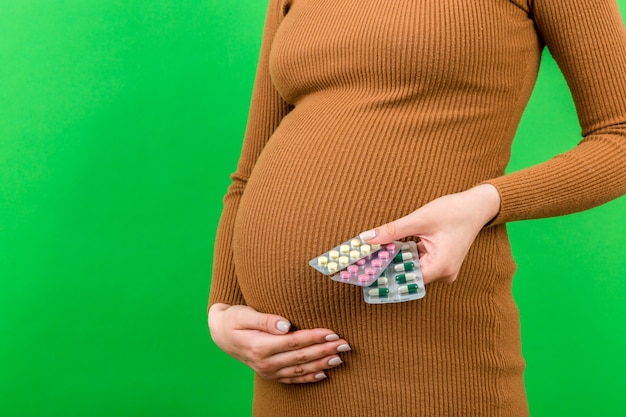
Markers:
{"x": 264, "y": 343}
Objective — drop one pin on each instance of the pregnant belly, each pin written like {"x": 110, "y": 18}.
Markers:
{"x": 302, "y": 199}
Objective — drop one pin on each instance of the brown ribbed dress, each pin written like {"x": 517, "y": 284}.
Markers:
{"x": 361, "y": 113}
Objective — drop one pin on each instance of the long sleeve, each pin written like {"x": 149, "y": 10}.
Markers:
{"x": 588, "y": 41}
{"x": 267, "y": 108}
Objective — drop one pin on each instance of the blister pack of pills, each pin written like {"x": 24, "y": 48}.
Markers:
{"x": 402, "y": 280}
{"x": 342, "y": 256}
{"x": 367, "y": 270}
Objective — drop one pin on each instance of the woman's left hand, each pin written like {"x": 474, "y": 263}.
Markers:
{"x": 446, "y": 228}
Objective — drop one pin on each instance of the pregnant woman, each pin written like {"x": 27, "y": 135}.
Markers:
{"x": 394, "y": 119}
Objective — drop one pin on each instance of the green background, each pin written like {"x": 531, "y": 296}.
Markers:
{"x": 120, "y": 123}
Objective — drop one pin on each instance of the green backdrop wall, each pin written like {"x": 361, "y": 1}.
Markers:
{"x": 119, "y": 125}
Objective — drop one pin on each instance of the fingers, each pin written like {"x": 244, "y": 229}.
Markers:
{"x": 323, "y": 340}
{"x": 395, "y": 230}
{"x": 434, "y": 266}
{"x": 303, "y": 365}
{"x": 249, "y": 319}
{"x": 311, "y": 372}
{"x": 258, "y": 340}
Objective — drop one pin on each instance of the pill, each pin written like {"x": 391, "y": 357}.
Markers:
{"x": 366, "y": 249}
{"x": 364, "y": 278}
{"x": 380, "y": 282}
{"x": 322, "y": 261}
{"x": 407, "y": 266}
{"x": 370, "y": 271}
{"x": 408, "y": 289}
{"x": 375, "y": 246}
{"x": 353, "y": 269}
{"x": 377, "y": 263}
{"x": 403, "y": 256}
{"x": 361, "y": 262}
{"x": 332, "y": 267}
{"x": 345, "y": 275}
{"x": 343, "y": 261}
{"x": 333, "y": 254}
{"x": 390, "y": 247}
{"x": 378, "y": 292}
{"x": 355, "y": 254}
{"x": 383, "y": 254}
{"x": 344, "y": 249}
{"x": 355, "y": 243}
{"x": 405, "y": 246}
{"x": 403, "y": 278}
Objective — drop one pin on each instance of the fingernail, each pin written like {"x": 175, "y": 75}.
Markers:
{"x": 335, "y": 362}
{"x": 319, "y": 376}
{"x": 283, "y": 326}
{"x": 343, "y": 348}
{"x": 331, "y": 337}
{"x": 370, "y": 234}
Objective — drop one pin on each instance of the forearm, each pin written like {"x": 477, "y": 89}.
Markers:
{"x": 589, "y": 44}
{"x": 591, "y": 174}
{"x": 224, "y": 285}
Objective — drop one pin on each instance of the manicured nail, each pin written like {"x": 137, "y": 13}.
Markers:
{"x": 319, "y": 376}
{"x": 331, "y": 337}
{"x": 343, "y": 348}
{"x": 283, "y": 326}
{"x": 370, "y": 234}
{"x": 335, "y": 362}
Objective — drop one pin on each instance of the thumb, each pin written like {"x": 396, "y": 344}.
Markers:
{"x": 395, "y": 230}
{"x": 251, "y": 319}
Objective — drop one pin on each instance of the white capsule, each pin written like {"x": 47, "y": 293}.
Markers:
{"x": 403, "y": 256}
{"x": 408, "y": 289}
{"x": 380, "y": 282}
{"x": 404, "y": 278}
{"x": 406, "y": 266}
{"x": 378, "y": 292}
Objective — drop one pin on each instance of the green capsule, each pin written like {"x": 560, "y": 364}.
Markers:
{"x": 408, "y": 289}
{"x": 406, "y": 266}
{"x": 404, "y": 278}
{"x": 379, "y": 282}
{"x": 403, "y": 256}
{"x": 378, "y": 292}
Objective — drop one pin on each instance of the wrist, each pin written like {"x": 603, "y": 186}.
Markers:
{"x": 214, "y": 319}
{"x": 485, "y": 199}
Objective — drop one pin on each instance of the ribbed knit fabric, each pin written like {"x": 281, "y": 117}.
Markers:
{"x": 364, "y": 111}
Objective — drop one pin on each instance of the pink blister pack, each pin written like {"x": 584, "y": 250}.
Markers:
{"x": 367, "y": 270}
{"x": 343, "y": 255}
